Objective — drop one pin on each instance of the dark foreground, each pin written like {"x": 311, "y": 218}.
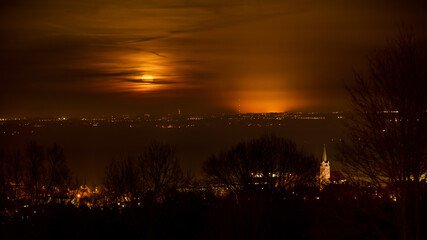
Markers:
{"x": 201, "y": 215}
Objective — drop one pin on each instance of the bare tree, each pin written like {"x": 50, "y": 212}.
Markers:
{"x": 233, "y": 169}
{"x": 16, "y": 172}
{"x": 3, "y": 175}
{"x": 388, "y": 132}
{"x": 123, "y": 178}
{"x": 11, "y": 174}
{"x": 269, "y": 161}
{"x": 160, "y": 168}
{"x": 58, "y": 173}
{"x": 36, "y": 169}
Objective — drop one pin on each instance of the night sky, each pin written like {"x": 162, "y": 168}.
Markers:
{"x": 76, "y": 57}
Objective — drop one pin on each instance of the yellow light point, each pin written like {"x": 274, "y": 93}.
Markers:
{"x": 147, "y": 78}
{"x": 78, "y": 195}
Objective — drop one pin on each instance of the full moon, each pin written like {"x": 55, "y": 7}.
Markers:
{"x": 147, "y": 78}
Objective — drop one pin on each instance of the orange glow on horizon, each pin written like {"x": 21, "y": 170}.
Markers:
{"x": 263, "y": 106}
{"x": 266, "y": 101}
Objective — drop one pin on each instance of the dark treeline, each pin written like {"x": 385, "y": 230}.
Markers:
{"x": 37, "y": 174}
{"x": 153, "y": 172}
{"x": 149, "y": 197}
{"x": 269, "y": 164}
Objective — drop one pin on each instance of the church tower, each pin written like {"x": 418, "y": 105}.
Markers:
{"x": 325, "y": 170}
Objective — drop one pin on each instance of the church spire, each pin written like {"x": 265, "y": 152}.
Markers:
{"x": 324, "y": 157}
{"x": 325, "y": 170}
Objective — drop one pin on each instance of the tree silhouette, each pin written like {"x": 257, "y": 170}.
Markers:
{"x": 388, "y": 132}
{"x": 35, "y": 157}
{"x": 123, "y": 178}
{"x": 160, "y": 168}
{"x": 269, "y": 162}
{"x": 3, "y": 175}
{"x": 58, "y": 173}
{"x": 15, "y": 171}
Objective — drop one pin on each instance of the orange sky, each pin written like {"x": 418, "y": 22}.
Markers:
{"x": 89, "y": 57}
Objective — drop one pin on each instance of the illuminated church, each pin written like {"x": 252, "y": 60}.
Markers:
{"x": 325, "y": 169}
{"x": 326, "y": 176}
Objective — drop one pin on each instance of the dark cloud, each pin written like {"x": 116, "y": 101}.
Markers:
{"x": 203, "y": 55}
{"x": 146, "y": 39}
{"x": 153, "y": 82}
{"x": 157, "y": 54}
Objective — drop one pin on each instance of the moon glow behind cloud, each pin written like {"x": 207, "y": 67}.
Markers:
{"x": 78, "y": 57}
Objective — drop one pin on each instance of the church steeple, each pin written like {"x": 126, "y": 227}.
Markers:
{"x": 325, "y": 170}
{"x": 324, "y": 157}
